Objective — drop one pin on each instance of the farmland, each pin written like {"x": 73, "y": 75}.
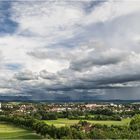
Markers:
{"x": 8, "y": 131}
{"x": 66, "y": 122}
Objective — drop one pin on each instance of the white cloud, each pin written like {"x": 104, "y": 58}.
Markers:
{"x": 62, "y": 47}
{"x": 112, "y": 9}
{"x": 53, "y": 21}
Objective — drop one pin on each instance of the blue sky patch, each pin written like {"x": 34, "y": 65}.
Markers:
{"x": 7, "y": 25}
{"x": 13, "y": 67}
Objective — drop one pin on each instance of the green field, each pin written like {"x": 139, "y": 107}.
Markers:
{"x": 66, "y": 122}
{"x": 11, "y": 132}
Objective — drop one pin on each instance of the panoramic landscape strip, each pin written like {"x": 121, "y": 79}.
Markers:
{"x": 104, "y": 120}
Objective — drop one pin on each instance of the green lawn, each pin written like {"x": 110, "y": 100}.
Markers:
{"x": 66, "y": 122}
{"x": 11, "y": 132}
{"x": 109, "y": 123}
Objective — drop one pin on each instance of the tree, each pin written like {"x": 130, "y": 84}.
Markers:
{"x": 135, "y": 122}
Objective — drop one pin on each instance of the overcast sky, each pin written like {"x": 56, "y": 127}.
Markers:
{"x": 69, "y": 49}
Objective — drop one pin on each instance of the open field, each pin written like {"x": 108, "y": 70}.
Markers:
{"x": 11, "y": 132}
{"x": 66, "y": 122}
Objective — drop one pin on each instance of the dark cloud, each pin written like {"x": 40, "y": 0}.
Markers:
{"x": 26, "y": 75}
{"x": 94, "y": 58}
{"x": 47, "y": 54}
{"x": 91, "y": 5}
{"x": 118, "y": 70}
{"x": 47, "y": 75}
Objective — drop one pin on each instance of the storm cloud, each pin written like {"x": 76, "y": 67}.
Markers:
{"x": 70, "y": 50}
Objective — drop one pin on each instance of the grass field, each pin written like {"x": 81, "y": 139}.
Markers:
{"x": 11, "y": 132}
{"x": 66, "y": 122}
{"x": 8, "y": 131}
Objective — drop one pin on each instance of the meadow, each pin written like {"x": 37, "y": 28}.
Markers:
{"x": 8, "y": 131}
{"x": 67, "y": 122}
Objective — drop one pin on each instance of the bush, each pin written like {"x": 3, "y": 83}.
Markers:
{"x": 135, "y": 122}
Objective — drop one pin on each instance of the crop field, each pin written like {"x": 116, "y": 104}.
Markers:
{"x": 8, "y": 131}
{"x": 66, "y": 122}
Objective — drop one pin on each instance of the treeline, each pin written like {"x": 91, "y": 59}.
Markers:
{"x": 47, "y": 131}
{"x": 29, "y": 123}
{"x": 130, "y": 113}
{"x": 96, "y": 117}
{"x": 104, "y": 117}
{"x": 43, "y": 115}
{"x": 99, "y": 114}
{"x": 82, "y": 130}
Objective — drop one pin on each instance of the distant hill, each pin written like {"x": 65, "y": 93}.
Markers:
{"x": 28, "y": 99}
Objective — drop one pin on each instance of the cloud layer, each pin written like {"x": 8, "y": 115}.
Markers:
{"x": 70, "y": 50}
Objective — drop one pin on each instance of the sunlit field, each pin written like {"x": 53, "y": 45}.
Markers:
{"x": 8, "y": 131}
{"x": 66, "y": 122}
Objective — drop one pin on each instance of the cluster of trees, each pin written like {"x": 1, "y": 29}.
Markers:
{"x": 130, "y": 113}
{"x": 96, "y": 117}
{"x": 103, "y": 112}
{"x": 41, "y": 115}
{"x": 40, "y": 127}
{"x": 135, "y": 123}
{"x": 82, "y": 130}
{"x": 105, "y": 117}
{"x": 99, "y": 114}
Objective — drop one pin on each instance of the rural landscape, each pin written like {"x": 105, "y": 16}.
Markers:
{"x": 69, "y": 69}
{"x": 20, "y": 120}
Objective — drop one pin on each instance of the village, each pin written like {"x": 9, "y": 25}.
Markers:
{"x": 28, "y": 108}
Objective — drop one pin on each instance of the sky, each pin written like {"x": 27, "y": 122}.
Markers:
{"x": 70, "y": 49}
